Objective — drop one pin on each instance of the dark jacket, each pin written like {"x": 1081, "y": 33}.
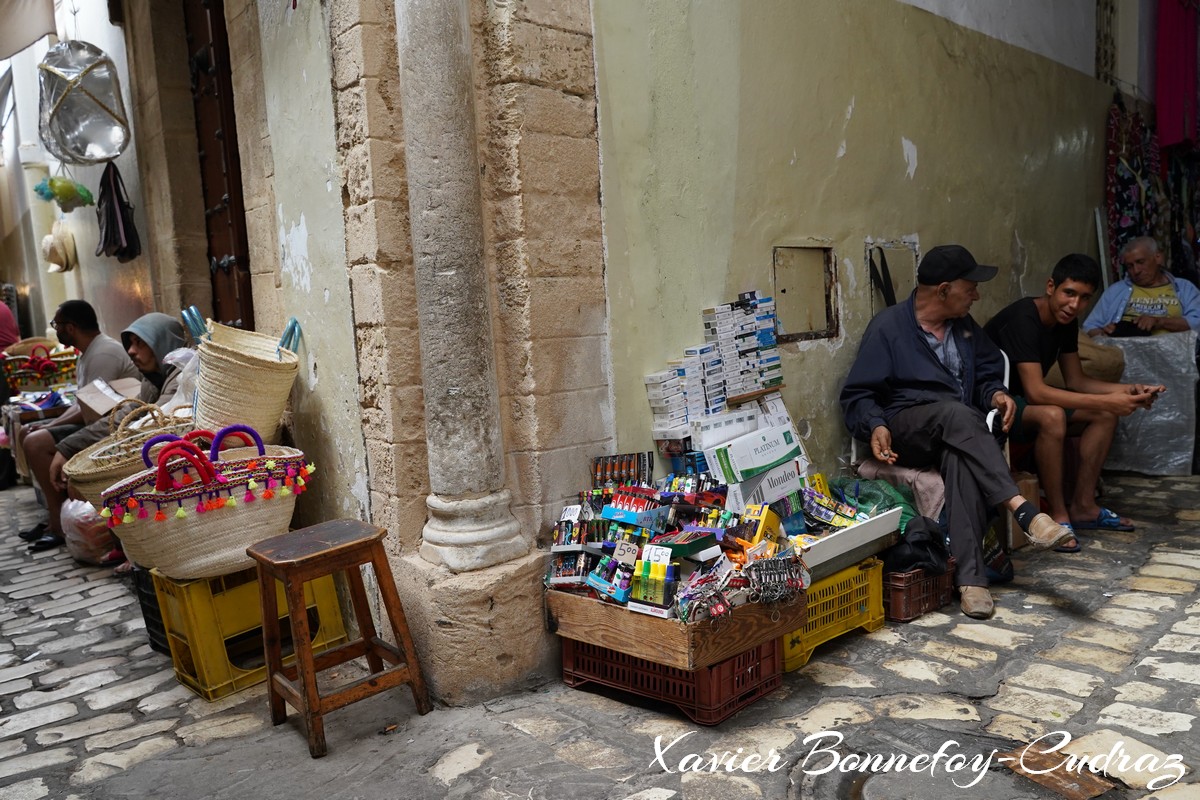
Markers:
{"x": 896, "y": 369}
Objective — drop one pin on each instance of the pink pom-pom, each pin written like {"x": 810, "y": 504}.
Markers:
{"x": 200, "y": 509}
{"x": 143, "y": 513}
{"x": 249, "y": 498}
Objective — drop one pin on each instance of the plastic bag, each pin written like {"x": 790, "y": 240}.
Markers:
{"x": 88, "y": 537}
{"x": 82, "y": 116}
{"x": 189, "y": 374}
{"x": 1159, "y": 440}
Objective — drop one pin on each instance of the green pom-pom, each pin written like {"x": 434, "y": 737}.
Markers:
{"x": 252, "y": 485}
{"x": 271, "y": 464}
{"x": 284, "y": 492}
{"x": 312, "y": 469}
{"x": 180, "y": 514}
{"x": 128, "y": 518}
{"x": 300, "y": 481}
{"x": 231, "y": 502}
{"x": 105, "y": 513}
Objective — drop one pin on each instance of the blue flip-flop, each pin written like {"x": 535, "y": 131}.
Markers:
{"x": 1069, "y": 548}
{"x": 1106, "y": 521}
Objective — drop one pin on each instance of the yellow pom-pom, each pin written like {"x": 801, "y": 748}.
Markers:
{"x": 284, "y": 492}
{"x": 299, "y": 481}
{"x": 312, "y": 468}
{"x": 180, "y": 514}
{"x": 128, "y": 518}
{"x": 252, "y": 485}
{"x": 271, "y": 463}
{"x": 105, "y": 513}
{"x": 231, "y": 502}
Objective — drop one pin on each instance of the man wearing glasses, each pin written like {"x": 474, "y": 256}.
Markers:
{"x": 101, "y": 357}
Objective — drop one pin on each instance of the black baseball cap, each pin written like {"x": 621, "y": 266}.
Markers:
{"x": 949, "y": 262}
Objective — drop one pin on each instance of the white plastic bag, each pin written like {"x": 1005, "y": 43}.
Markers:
{"x": 87, "y": 534}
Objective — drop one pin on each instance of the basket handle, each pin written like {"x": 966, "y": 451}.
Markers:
{"x": 245, "y": 432}
{"x": 156, "y": 440}
{"x": 190, "y": 453}
{"x": 33, "y": 351}
{"x": 290, "y": 339}
{"x": 141, "y": 409}
{"x": 196, "y": 325}
{"x": 199, "y": 433}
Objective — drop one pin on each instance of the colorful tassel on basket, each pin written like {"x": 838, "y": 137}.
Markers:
{"x": 180, "y": 514}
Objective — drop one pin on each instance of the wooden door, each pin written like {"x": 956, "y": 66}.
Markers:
{"x": 220, "y": 165}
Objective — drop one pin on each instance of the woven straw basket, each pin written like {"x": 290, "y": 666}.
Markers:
{"x": 245, "y": 378}
{"x": 200, "y": 526}
{"x": 119, "y": 455}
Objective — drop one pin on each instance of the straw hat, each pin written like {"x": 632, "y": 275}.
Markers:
{"x": 58, "y": 248}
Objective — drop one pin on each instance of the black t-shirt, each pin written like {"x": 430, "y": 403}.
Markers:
{"x": 1019, "y": 332}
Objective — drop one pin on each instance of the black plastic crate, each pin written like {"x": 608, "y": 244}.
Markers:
{"x": 156, "y": 631}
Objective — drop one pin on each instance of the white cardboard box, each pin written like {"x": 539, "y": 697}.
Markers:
{"x": 765, "y": 488}
{"x": 876, "y": 529}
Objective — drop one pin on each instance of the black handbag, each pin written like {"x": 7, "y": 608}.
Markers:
{"x": 118, "y": 234}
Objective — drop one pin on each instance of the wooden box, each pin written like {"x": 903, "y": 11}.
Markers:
{"x": 669, "y": 641}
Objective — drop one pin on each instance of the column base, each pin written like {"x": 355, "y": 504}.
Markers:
{"x": 472, "y": 533}
{"x": 479, "y": 634}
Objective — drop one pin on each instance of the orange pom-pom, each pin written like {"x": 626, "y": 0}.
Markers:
{"x": 267, "y": 494}
{"x": 131, "y": 503}
{"x": 159, "y": 516}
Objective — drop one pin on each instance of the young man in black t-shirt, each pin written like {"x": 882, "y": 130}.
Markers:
{"x": 1036, "y": 332}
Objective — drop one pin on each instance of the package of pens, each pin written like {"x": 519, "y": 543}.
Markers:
{"x": 623, "y": 469}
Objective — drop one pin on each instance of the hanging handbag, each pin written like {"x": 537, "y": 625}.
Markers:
{"x": 118, "y": 234}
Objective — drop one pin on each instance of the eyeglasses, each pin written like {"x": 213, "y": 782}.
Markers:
{"x": 54, "y": 324}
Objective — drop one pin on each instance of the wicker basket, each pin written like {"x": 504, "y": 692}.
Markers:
{"x": 119, "y": 455}
{"x": 38, "y": 370}
{"x": 245, "y": 378}
{"x": 199, "y": 527}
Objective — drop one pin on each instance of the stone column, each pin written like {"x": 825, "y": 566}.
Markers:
{"x": 471, "y": 525}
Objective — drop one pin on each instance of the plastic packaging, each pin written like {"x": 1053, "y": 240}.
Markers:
{"x": 82, "y": 115}
{"x": 1160, "y": 440}
{"x": 87, "y": 535}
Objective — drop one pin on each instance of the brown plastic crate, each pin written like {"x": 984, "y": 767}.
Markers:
{"x": 708, "y": 695}
{"x": 908, "y": 595}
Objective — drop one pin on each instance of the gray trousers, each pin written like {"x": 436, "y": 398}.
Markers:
{"x": 954, "y": 438}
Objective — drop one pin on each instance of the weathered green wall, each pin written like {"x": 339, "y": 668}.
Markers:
{"x": 727, "y": 128}
{"x": 314, "y": 283}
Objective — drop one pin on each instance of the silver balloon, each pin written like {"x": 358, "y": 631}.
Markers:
{"x": 82, "y": 119}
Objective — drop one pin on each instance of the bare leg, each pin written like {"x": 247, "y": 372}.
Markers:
{"x": 39, "y": 452}
{"x": 1050, "y": 424}
{"x": 1098, "y": 428}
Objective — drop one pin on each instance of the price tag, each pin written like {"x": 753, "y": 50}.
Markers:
{"x": 626, "y": 552}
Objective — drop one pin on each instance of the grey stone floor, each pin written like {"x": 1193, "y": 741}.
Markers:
{"x": 1104, "y": 645}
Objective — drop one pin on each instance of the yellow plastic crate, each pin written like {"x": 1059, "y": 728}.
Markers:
{"x": 214, "y": 628}
{"x": 852, "y": 598}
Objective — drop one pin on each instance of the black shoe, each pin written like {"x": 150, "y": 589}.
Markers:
{"x": 47, "y": 542}
{"x": 35, "y": 533}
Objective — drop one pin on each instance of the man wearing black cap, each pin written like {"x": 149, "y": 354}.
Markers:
{"x": 924, "y": 378}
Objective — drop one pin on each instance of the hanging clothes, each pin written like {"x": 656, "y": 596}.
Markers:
{"x": 1175, "y": 95}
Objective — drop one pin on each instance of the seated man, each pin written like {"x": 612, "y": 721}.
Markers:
{"x": 101, "y": 357}
{"x": 147, "y": 341}
{"x": 1036, "y": 333}
{"x": 1148, "y": 300}
{"x": 924, "y": 376}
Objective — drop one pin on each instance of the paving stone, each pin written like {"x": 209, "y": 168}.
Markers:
{"x": 1058, "y": 679}
{"x": 91, "y": 623}
{"x": 175, "y": 696}
{"x": 830, "y": 715}
{"x": 106, "y": 590}
{"x": 653, "y": 794}
{"x": 1161, "y": 585}
{"x": 12, "y": 747}
{"x": 934, "y": 619}
{"x": 1126, "y": 618}
{"x": 990, "y": 635}
{"x": 78, "y": 730}
{"x": 58, "y": 608}
{"x": 584, "y": 753}
{"x": 25, "y": 625}
{"x": 1019, "y": 729}
{"x": 66, "y": 673}
{"x": 1171, "y": 671}
{"x": 1145, "y": 720}
{"x": 969, "y": 657}
{"x": 13, "y": 687}
{"x": 84, "y": 683}
{"x": 1178, "y": 791}
{"x": 1138, "y": 692}
{"x": 107, "y": 698}
{"x": 116, "y": 645}
{"x": 32, "y": 789}
{"x": 75, "y": 642}
{"x": 1033, "y": 705}
{"x": 719, "y": 786}
{"x": 1017, "y": 619}
{"x": 1129, "y": 755}
{"x": 200, "y": 708}
{"x": 1178, "y": 643}
{"x": 26, "y": 668}
{"x": 1145, "y": 601}
{"x": 1188, "y": 625}
{"x": 143, "y": 651}
{"x": 1170, "y": 571}
{"x": 40, "y": 761}
{"x": 914, "y": 669}
{"x": 1164, "y": 556}
{"x": 116, "y": 738}
{"x": 133, "y": 625}
{"x": 1194, "y": 608}
{"x": 925, "y": 706}
{"x": 35, "y": 718}
{"x": 113, "y": 603}
{"x": 1105, "y": 659}
{"x": 1039, "y": 599}
{"x": 34, "y": 638}
{"x": 105, "y": 765}
{"x": 828, "y": 674}
{"x": 1106, "y": 636}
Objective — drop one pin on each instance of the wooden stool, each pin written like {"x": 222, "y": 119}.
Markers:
{"x": 309, "y": 553}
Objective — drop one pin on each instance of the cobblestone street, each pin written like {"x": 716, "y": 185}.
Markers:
{"x": 1104, "y": 645}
